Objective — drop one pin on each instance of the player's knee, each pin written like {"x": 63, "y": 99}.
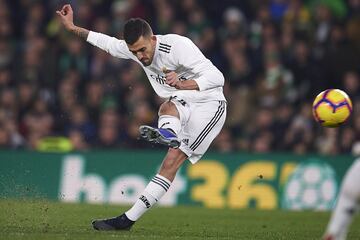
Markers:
{"x": 167, "y": 108}
{"x": 352, "y": 178}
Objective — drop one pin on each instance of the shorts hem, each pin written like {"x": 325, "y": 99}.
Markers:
{"x": 193, "y": 158}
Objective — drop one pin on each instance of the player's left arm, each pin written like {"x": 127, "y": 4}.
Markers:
{"x": 172, "y": 79}
{"x": 187, "y": 54}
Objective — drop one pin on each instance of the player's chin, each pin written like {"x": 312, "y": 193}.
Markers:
{"x": 145, "y": 62}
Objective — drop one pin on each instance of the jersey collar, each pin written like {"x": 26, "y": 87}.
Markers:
{"x": 156, "y": 50}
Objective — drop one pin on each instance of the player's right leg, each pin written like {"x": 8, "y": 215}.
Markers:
{"x": 153, "y": 192}
{"x": 347, "y": 205}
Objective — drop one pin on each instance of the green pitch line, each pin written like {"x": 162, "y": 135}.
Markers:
{"x": 36, "y": 219}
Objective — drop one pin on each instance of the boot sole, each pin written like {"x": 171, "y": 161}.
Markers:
{"x": 153, "y": 135}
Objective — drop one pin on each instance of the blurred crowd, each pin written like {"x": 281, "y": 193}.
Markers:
{"x": 276, "y": 56}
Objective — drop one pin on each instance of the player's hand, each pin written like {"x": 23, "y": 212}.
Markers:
{"x": 172, "y": 78}
{"x": 66, "y": 15}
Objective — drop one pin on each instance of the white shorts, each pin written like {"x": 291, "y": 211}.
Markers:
{"x": 200, "y": 124}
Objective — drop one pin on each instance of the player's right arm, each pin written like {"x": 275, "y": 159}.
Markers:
{"x": 66, "y": 15}
{"x": 114, "y": 46}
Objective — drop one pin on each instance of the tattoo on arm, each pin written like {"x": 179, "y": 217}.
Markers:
{"x": 81, "y": 32}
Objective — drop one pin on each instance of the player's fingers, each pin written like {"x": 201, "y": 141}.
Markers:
{"x": 70, "y": 8}
{"x": 171, "y": 75}
{"x": 60, "y": 14}
{"x": 170, "y": 79}
{"x": 172, "y": 82}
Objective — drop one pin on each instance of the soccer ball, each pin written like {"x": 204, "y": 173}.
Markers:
{"x": 332, "y": 107}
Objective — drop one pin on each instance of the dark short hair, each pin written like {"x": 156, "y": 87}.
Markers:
{"x": 134, "y": 28}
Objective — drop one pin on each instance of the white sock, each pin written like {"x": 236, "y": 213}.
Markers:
{"x": 347, "y": 205}
{"x": 168, "y": 121}
{"x": 153, "y": 192}
{"x": 341, "y": 217}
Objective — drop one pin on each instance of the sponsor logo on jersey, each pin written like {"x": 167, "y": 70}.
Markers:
{"x": 162, "y": 78}
{"x": 159, "y": 78}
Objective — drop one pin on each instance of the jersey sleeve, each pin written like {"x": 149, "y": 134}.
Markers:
{"x": 114, "y": 46}
{"x": 189, "y": 56}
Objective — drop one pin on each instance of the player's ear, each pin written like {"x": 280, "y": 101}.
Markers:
{"x": 153, "y": 40}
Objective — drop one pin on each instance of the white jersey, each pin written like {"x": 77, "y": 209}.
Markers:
{"x": 175, "y": 53}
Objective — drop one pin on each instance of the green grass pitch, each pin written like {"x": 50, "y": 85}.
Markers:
{"x": 37, "y": 219}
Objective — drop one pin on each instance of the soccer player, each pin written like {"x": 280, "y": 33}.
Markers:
{"x": 347, "y": 204}
{"x": 194, "y": 107}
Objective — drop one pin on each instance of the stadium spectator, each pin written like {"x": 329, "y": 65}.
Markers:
{"x": 4, "y": 138}
{"x": 79, "y": 120}
{"x": 77, "y": 140}
{"x": 275, "y": 55}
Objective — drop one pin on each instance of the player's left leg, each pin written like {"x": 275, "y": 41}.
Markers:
{"x": 204, "y": 124}
{"x": 153, "y": 192}
{"x": 347, "y": 205}
{"x": 173, "y": 114}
